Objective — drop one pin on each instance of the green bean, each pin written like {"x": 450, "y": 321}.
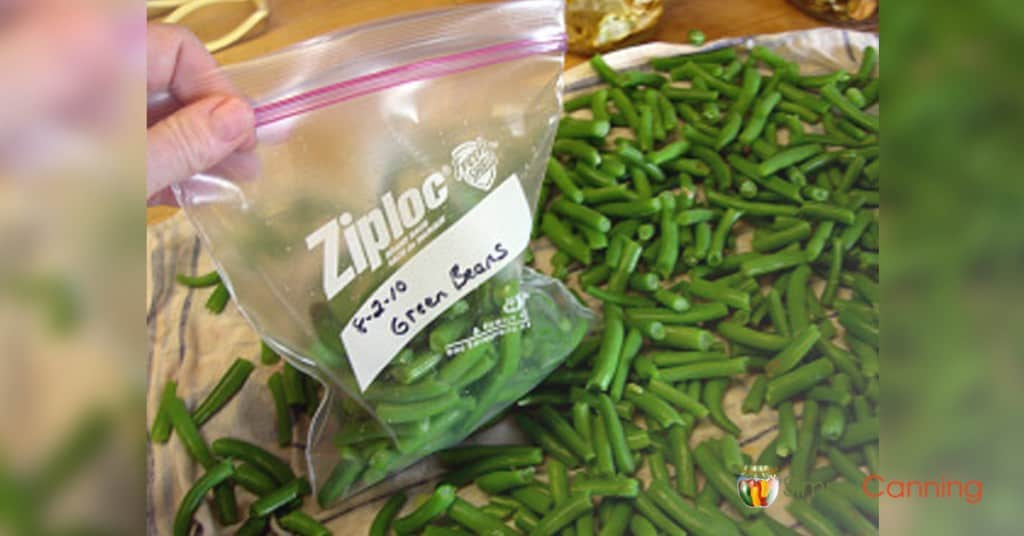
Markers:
{"x": 718, "y": 55}
{"x": 548, "y": 441}
{"x": 614, "y": 517}
{"x": 216, "y": 474}
{"x": 414, "y": 370}
{"x": 690, "y": 166}
{"x": 580, "y": 102}
{"x": 787, "y": 158}
{"x": 645, "y": 128}
{"x": 682, "y": 460}
{"x": 633, "y": 156}
{"x": 186, "y": 429}
{"x": 816, "y": 244}
{"x": 699, "y": 136}
{"x": 656, "y": 464}
{"x": 250, "y": 453}
{"x": 640, "y": 526}
{"x": 686, "y": 338}
{"x": 253, "y": 526}
{"x": 674, "y": 93}
{"x": 267, "y": 354}
{"x": 625, "y": 106}
{"x": 771, "y": 59}
{"x": 394, "y": 412}
{"x": 523, "y": 519}
{"x": 836, "y": 507}
{"x": 620, "y": 451}
{"x": 608, "y": 193}
{"x": 199, "y": 281}
{"x": 500, "y": 481}
{"x": 802, "y": 112}
{"x": 279, "y": 497}
{"x": 824, "y": 211}
{"x": 604, "y": 459}
{"x": 630, "y": 348}
{"x": 787, "y": 440}
{"x": 762, "y": 109}
{"x": 593, "y": 176}
{"x": 610, "y": 486}
{"x": 866, "y": 354}
{"x": 855, "y": 114}
{"x": 652, "y": 512}
{"x": 560, "y": 178}
{"x": 570, "y": 127}
{"x": 860, "y": 432}
{"x": 562, "y": 237}
{"x": 341, "y": 478}
{"x": 283, "y": 416}
{"x": 669, "y": 152}
{"x": 697, "y": 313}
{"x": 563, "y": 515}
{"x": 714, "y": 291}
{"x": 798, "y": 380}
{"x": 654, "y": 407}
{"x": 673, "y": 358}
{"x": 755, "y": 397}
{"x": 479, "y": 523}
{"x": 749, "y": 207}
{"x": 856, "y": 496}
{"x": 843, "y": 361}
{"x": 611, "y": 347}
{"x": 254, "y": 479}
{"x": 714, "y": 391}
{"x": 701, "y": 245}
{"x": 679, "y": 510}
{"x": 500, "y": 462}
{"x": 803, "y": 456}
{"x": 160, "y": 431}
{"x": 868, "y": 59}
{"x": 777, "y": 313}
{"x": 632, "y": 79}
{"x": 434, "y": 507}
{"x": 386, "y": 515}
{"x": 752, "y": 338}
{"x": 796, "y": 298}
{"x": 631, "y": 209}
{"x": 582, "y": 215}
{"x": 218, "y": 299}
{"x": 579, "y": 150}
{"x": 708, "y": 498}
{"x": 644, "y": 282}
{"x": 607, "y": 74}
{"x": 791, "y": 355}
{"x": 833, "y": 422}
{"x": 719, "y": 170}
{"x": 834, "y": 77}
{"x": 676, "y": 397}
{"x": 814, "y": 522}
{"x": 798, "y": 96}
{"x": 748, "y": 92}
{"x": 671, "y": 300}
{"x": 565, "y": 432}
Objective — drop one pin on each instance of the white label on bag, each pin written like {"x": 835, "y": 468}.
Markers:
{"x": 486, "y": 239}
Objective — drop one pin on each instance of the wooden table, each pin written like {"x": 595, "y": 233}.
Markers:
{"x": 294, "y": 20}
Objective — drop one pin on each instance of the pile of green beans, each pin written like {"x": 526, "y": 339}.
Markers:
{"x": 647, "y": 218}
{"x": 425, "y": 399}
{"x": 230, "y": 463}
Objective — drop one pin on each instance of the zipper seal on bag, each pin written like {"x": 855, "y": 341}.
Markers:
{"x": 425, "y": 69}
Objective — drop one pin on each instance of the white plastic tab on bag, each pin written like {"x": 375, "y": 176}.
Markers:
{"x": 486, "y": 239}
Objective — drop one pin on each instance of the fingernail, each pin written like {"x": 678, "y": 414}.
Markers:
{"x": 231, "y": 119}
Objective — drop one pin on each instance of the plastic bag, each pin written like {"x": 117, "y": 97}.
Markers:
{"x": 376, "y": 237}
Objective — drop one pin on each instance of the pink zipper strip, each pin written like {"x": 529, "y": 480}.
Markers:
{"x": 421, "y": 70}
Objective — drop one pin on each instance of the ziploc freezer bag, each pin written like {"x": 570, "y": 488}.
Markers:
{"x": 375, "y": 237}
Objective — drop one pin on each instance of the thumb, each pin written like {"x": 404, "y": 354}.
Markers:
{"x": 196, "y": 138}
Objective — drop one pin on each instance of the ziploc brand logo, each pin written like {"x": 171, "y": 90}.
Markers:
{"x": 367, "y": 238}
{"x": 475, "y": 163}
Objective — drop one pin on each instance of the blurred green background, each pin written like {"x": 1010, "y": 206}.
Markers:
{"x": 71, "y": 279}
{"x": 953, "y": 274}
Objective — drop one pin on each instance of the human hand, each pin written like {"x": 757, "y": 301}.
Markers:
{"x": 196, "y": 119}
